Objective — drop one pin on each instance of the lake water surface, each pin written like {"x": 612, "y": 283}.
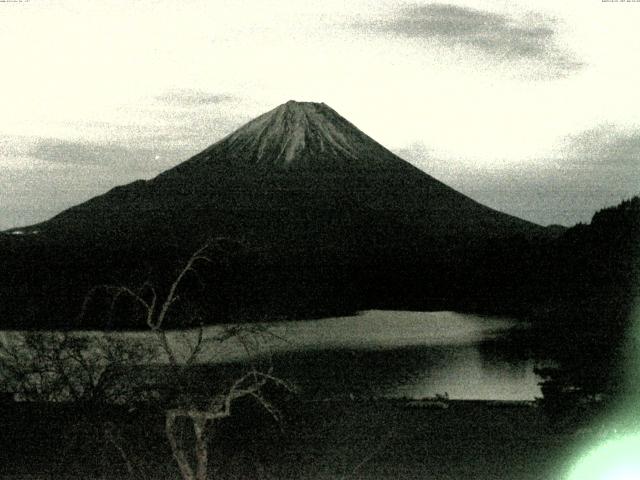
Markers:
{"x": 397, "y": 354}
{"x": 380, "y": 354}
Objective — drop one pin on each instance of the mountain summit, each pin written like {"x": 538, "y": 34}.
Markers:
{"x": 300, "y": 136}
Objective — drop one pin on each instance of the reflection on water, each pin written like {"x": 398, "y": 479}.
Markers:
{"x": 399, "y": 354}
{"x": 371, "y": 330}
{"x": 461, "y": 371}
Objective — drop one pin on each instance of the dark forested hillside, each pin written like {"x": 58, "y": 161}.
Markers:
{"x": 590, "y": 317}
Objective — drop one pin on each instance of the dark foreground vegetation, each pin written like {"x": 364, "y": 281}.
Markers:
{"x": 379, "y": 439}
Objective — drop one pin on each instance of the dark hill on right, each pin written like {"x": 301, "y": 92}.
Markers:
{"x": 584, "y": 298}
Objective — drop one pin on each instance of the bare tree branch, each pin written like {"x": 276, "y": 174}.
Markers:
{"x": 196, "y": 348}
{"x": 172, "y": 296}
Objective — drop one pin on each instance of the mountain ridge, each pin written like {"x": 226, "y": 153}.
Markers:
{"x": 298, "y": 152}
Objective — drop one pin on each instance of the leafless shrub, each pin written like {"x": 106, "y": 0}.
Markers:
{"x": 64, "y": 366}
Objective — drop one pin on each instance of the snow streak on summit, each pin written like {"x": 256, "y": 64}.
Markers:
{"x": 302, "y": 135}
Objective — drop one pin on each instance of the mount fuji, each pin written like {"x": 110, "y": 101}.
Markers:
{"x": 298, "y": 165}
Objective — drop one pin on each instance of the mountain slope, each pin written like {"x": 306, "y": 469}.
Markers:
{"x": 300, "y": 160}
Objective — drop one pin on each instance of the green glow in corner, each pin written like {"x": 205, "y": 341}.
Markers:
{"x": 617, "y": 459}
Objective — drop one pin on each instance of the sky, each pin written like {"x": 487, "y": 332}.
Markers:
{"x": 531, "y": 108}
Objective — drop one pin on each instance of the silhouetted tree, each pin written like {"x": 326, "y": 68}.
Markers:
{"x": 156, "y": 308}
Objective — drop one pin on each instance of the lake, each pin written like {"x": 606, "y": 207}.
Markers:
{"x": 395, "y": 354}
{"x": 379, "y": 354}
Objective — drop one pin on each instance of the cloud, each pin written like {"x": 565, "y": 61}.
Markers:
{"x": 192, "y": 98}
{"x": 166, "y": 137}
{"x": 501, "y": 37}
{"x": 82, "y": 153}
{"x": 590, "y": 170}
{"x": 606, "y": 146}
{"x": 112, "y": 162}
{"x": 43, "y": 176}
